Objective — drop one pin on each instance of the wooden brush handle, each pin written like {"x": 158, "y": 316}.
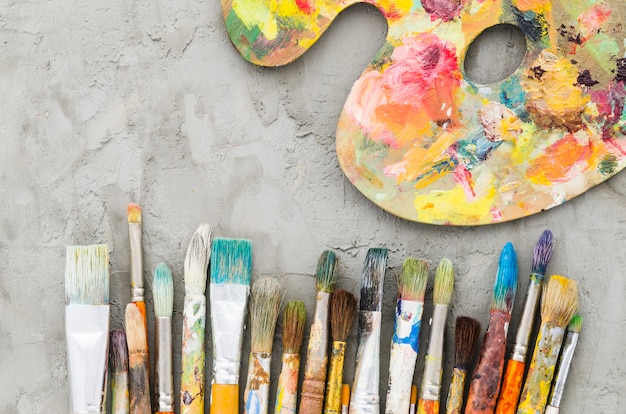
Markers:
{"x": 257, "y": 391}
{"x": 139, "y": 384}
{"x": 454, "y": 404}
{"x": 427, "y": 406}
{"x": 225, "y": 399}
{"x": 192, "y": 375}
{"x": 312, "y": 400}
{"x": 287, "y": 391}
{"x": 332, "y": 404}
{"x": 119, "y": 393}
{"x": 511, "y": 387}
{"x": 485, "y": 384}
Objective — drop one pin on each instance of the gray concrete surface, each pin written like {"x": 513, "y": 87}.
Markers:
{"x": 104, "y": 103}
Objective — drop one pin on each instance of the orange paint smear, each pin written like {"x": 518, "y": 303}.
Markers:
{"x": 558, "y": 160}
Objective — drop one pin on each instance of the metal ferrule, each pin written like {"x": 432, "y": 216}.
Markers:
{"x": 228, "y": 302}
{"x": 316, "y": 356}
{"x": 563, "y": 368}
{"x": 87, "y": 335}
{"x": 164, "y": 380}
{"x": 522, "y": 338}
{"x": 431, "y": 381}
{"x": 365, "y": 398}
{"x": 136, "y": 263}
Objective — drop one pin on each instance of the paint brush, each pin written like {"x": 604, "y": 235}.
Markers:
{"x": 137, "y": 294}
{"x": 413, "y": 399}
{"x": 485, "y": 383}
{"x": 118, "y": 359}
{"x": 266, "y": 296}
{"x": 430, "y": 391}
{"x": 138, "y": 377}
{"x": 514, "y": 374}
{"x": 345, "y": 399}
{"x": 194, "y": 322}
{"x": 405, "y": 341}
{"x": 312, "y": 398}
{"x": 163, "y": 294}
{"x": 565, "y": 361}
{"x": 294, "y": 321}
{"x": 466, "y": 334}
{"x": 87, "y": 326}
{"x": 342, "y": 310}
{"x": 365, "y": 397}
{"x": 558, "y": 305}
{"x": 231, "y": 267}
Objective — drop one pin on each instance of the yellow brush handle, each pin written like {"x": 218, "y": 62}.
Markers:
{"x": 332, "y": 405}
{"x": 225, "y": 399}
{"x": 511, "y": 388}
{"x": 454, "y": 404}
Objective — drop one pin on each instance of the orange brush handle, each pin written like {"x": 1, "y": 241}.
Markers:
{"x": 511, "y": 388}
{"x": 427, "y": 406}
{"x": 225, "y": 399}
{"x": 142, "y": 308}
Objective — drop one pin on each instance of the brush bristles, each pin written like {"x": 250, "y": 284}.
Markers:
{"x": 466, "y": 334}
{"x": 163, "y": 291}
{"x": 576, "y": 324}
{"x": 134, "y": 213}
{"x": 294, "y": 321}
{"x": 444, "y": 282}
{"x": 506, "y": 281}
{"x": 326, "y": 275}
{"x": 372, "y": 280}
{"x": 87, "y": 275}
{"x": 412, "y": 280}
{"x": 231, "y": 261}
{"x": 559, "y": 301}
{"x": 118, "y": 351}
{"x": 197, "y": 261}
{"x": 342, "y": 310}
{"x": 135, "y": 330}
{"x": 543, "y": 253}
{"x": 265, "y": 298}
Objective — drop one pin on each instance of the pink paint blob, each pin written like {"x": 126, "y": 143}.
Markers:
{"x": 446, "y": 10}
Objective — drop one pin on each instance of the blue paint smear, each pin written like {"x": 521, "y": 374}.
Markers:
{"x": 512, "y": 95}
{"x": 253, "y": 403}
{"x": 413, "y": 338}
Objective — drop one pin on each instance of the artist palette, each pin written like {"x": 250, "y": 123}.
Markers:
{"x": 426, "y": 142}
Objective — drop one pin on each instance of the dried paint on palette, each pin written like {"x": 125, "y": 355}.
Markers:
{"x": 427, "y": 144}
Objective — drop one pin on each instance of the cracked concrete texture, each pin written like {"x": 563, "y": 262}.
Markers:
{"x": 147, "y": 101}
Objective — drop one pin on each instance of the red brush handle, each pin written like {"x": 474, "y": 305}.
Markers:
{"x": 428, "y": 406}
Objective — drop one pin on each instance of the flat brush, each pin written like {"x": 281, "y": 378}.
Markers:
{"x": 405, "y": 341}
{"x": 231, "y": 267}
{"x": 87, "y": 326}
{"x": 265, "y": 300}
{"x": 139, "y": 379}
{"x": 194, "y": 321}
{"x": 466, "y": 334}
{"x": 342, "y": 310}
{"x": 365, "y": 396}
{"x": 485, "y": 383}
{"x": 312, "y": 398}
{"x": 430, "y": 391}
{"x": 294, "y": 321}
{"x": 565, "y": 361}
{"x": 118, "y": 359}
{"x": 558, "y": 305}
{"x": 163, "y": 294}
{"x": 514, "y": 374}
{"x": 137, "y": 292}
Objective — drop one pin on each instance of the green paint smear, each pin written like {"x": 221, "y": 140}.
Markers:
{"x": 604, "y": 50}
{"x": 238, "y": 31}
{"x": 608, "y": 164}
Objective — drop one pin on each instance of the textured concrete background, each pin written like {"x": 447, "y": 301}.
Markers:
{"x": 104, "y": 103}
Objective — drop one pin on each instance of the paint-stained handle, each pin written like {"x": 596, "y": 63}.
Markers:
{"x": 139, "y": 384}
{"x": 256, "y": 395}
{"x": 454, "y": 403}
{"x": 192, "y": 375}
{"x": 537, "y": 386}
{"x": 312, "y": 400}
{"x": 224, "y": 399}
{"x": 332, "y": 404}
{"x": 120, "y": 402}
{"x": 485, "y": 383}
{"x": 427, "y": 406}
{"x": 287, "y": 391}
{"x": 511, "y": 387}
